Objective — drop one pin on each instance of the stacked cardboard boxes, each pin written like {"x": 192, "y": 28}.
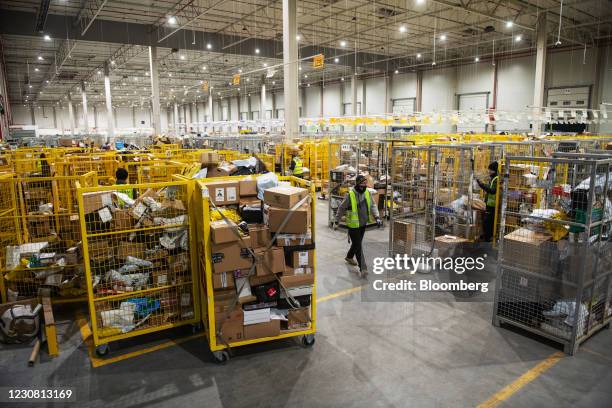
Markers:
{"x": 261, "y": 261}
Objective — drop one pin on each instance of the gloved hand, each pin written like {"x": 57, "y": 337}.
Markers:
{"x": 379, "y": 223}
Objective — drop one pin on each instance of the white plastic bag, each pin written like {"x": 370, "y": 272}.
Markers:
{"x": 264, "y": 182}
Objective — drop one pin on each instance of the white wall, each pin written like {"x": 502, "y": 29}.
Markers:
{"x": 440, "y": 90}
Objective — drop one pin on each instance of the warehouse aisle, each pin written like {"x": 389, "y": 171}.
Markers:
{"x": 366, "y": 355}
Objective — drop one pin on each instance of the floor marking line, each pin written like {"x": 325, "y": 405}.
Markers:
{"x": 99, "y": 362}
{"x": 596, "y": 353}
{"x": 340, "y": 293}
{"x": 515, "y": 386}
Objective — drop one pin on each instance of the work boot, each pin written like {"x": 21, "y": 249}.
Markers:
{"x": 364, "y": 272}
{"x": 350, "y": 261}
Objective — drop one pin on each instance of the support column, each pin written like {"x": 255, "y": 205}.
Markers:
{"x": 419, "y": 96}
{"x": 493, "y": 107}
{"x": 210, "y": 107}
{"x": 290, "y": 68}
{"x": 274, "y": 115}
{"x": 388, "y": 104}
{"x": 110, "y": 124}
{"x": 354, "y": 98}
{"x": 154, "y": 74}
{"x": 540, "y": 74}
{"x": 262, "y": 102}
{"x": 32, "y": 115}
{"x": 95, "y": 115}
{"x": 194, "y": 105}
{"x": 71, "y": 114}
{"x": 85, "y": 116}
{"x": 133, "y": 117}
{"x": 175, "y": 119}
{"x": 54, "y": 117}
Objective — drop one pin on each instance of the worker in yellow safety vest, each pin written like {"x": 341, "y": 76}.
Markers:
{"x": 121, "y": 176}
{"x": 490, "y": 190}
{"x": 297, "y": 166}
{"x": 360, "y": 210}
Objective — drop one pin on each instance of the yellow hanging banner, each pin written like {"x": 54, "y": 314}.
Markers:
{"x": 236, "y": 79}
{"x": 318, "y": 61}
{"x": 205, "y": 86}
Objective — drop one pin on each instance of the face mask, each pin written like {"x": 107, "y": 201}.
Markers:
{"x": 360, "y": 189}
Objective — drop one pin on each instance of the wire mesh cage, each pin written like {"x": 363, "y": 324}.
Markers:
{"x": 414, "y": 173}
{"x": 41, "y": 236}
{"x": 555, "y": 258}
{"x": 137, "y": 244}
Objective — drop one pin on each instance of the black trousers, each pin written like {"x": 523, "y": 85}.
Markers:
{"x": 488, "y": 224}
{"x": 356, "y": 235}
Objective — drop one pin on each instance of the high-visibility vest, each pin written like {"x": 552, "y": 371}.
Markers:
{"x": 352, "y": 216}
{"x": 127, "y": 191}
{"x": 299, "y": 168}
{"x": 491, "y": 201}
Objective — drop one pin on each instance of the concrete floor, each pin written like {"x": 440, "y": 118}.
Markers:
{"x": 367, "y": 354}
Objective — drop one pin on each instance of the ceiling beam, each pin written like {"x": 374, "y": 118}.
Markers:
{"x": 88, "y": 13}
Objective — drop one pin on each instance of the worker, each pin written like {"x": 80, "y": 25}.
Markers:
{"x": 490, "y": 200}
{"x": 121, "y": 176}
{"x": 296, "y": 166}
{"x": 360, "y": 209}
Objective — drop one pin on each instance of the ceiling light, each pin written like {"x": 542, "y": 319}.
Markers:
{"x": 238, "y": 88}
{"x": 208, "y": 46}
{"x": 433, "y": 63}
{"x": 112, "y": 62}
{"x": 476, "y": 59}
{"x": 36, "y": 69}
{"x": 169, "y": 74}
{"x": 248, "y": 79}
{"x": 182, "y": 57}
{"x": 298, "y": 37}
{"x": 509, "y": 24}
{"x": 305, "y": 75}
{"x": 336, "y": 60}
{"x": 204, "y": 68}
{"x": 300, "y": 68}
{"x": 40, "y": 58}
{"x": 419, "y": 55}
{"x": 47, "y": 37}
{"x": 201, "y": 82}
{"x": 99, "y": 72}
{"x": 342, "y": 78}
{"x": 343, "y": 43}
{"x": 273, "y": 82}
{"x": 256, "y": 50}
{"x": 172, "y": 20}
{"x": 396, "y": 71}
{"x": 308, "y": 85}
{"x": 265, "y": 65}
{"x": 240, "y": 70}
{"x": 420, "y": 1}
{"x": 47, "y": 81}
{"x": 443, "y": 37}
{"x": 29, "y": 86}
{"x": 171, "y": 90}
{"x": 518, "y": 38}
{"x": 402, "y": 28}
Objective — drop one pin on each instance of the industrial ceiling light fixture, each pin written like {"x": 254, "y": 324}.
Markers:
{"x": 40, "y": 58}
{"x": 403, "y": 28}
{"x": 342, "y": 79}
{"x": 47, "y": 37}
{"x": 257, "y": 51}
{"x": 418, "y": 55}
{"x": 209, "y": 46}
{"x": 396, "y": 72}
{"x": 204, "y": 68}
{"x": 171, "y": 20}
{"x": 343, "y": 43}
{"x": 443, "y": 37}
{"x": 298, "y": 37}
{"x": 509, "y": 24}
{"x": 518, "y": 38}
{"x": 336, "y": 60}
{"x": 476, "y": 59}
{"x": 182, "y": 57}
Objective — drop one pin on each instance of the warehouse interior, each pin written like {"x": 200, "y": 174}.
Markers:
{"x": 180, "y": 182}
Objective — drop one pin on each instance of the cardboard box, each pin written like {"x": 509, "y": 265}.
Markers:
{"x": 298, "y": 222}
{"x": 94, "y": 201}
{"x": 448, "y": 245}
{"x": 261, "y": 330}
{"x": 403, "y": 236}
{"x": 248, "y": 187}
{"x": 99, "y": 251}
{"x": 262, "y": 280}
{"x": 302, "y": 259}
{"x": 208, "y": 158}
{"x": 290, "y": 271}
{"x": 135, "y": 249}
{"x": 179, "y": 264}
{"x": 529, "y": 249}
{"x": 260, "y": 236}
{"x": 291, "y": 281}
{"x": 284, "y": 197}
{"x": 232, "y": 331}
{"x": 161, "y": 278}
{"x": 122, "y": 220}
{"x": 221, "y": 232}
{"x": 223, "y": 192}
{"x": 249, "y": 201}
{"x": 270, "y": 262}
{"x": 227, "y": 168}
{"x": 231, "y": 256}
{"x": 223, "y": 280}
{"x": 298, "y": 318}
{"x": 287, "y": 240}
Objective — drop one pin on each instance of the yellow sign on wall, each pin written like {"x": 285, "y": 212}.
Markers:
{"x": 318, "y": 61}
{"x": 236, "y": 79}
{"x": 205, "y": 86}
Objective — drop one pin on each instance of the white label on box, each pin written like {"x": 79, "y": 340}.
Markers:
{"x": 107, "y": 199}
{"x": 231, "y": 194}
{"x": 74, "y": 217}
{"x": 139, "y": 210}
{"x": 224, "y": 280}
{"x": 162, "y": 279}
{"x": 523, "y": 281}
{"x": 303, "y": 258}
{"x": 299, "y": 271}
{"x": 185, "y": 299}
{"x": 219, "y": 194}
{"x": 105, "y": 215}
{"x": 345, "y": 147}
